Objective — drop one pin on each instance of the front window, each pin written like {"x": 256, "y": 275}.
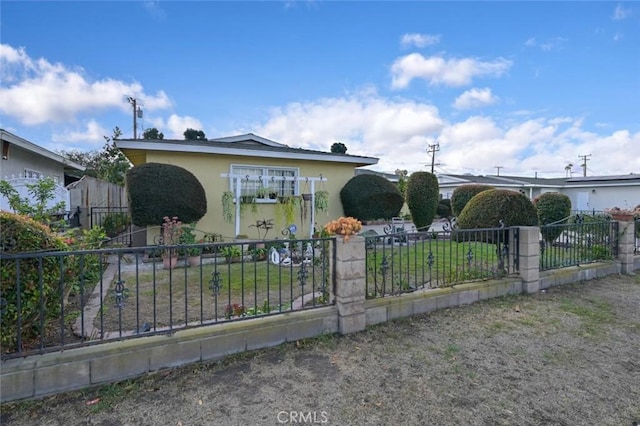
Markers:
{"x": 33, "y": 174}
{"x": 278, "y": 180}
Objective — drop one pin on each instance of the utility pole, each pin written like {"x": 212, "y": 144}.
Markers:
{"x": 432, "y": 150}
{"x": 498, "y": 168}
{"x": 137, "y": 113}
{"x": 584, "y": 163}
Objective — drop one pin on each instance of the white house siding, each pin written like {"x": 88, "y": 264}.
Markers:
{"x": 601, "y": 197}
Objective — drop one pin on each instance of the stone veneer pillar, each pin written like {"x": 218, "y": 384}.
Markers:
{"x": 350, "y": 284}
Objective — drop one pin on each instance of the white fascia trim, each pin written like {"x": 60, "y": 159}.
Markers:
{"x": 151, "y": 146}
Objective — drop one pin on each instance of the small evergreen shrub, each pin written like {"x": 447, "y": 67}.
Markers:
{"x": 21, "y": 234}
{"x": 444, "y": 208}
{"x": 462, "y": 194}
{"x": 157, "y": 190}
{"x": 552, "y": 207}
{"x": 369, "y": 197}
{"x": 422, "y": 198}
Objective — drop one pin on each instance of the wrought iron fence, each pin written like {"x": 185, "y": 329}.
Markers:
{"x": 56, "y": 300}
{"x": 405, "y": 262}
{"x": 585, "y": 240}
{"x": 115, "y": 221}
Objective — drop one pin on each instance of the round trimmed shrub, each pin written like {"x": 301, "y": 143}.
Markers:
{"x": 462, "y": 194}
{"x": 22, "y": 234}
{"x": 487, "y": 208}
{"x": 552, "y": 208}
{"x": 370, "y": 197}
{"x": 422, "y": 198}
{"x": 157, "y": 190}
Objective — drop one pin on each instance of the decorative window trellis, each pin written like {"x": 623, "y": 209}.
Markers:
{"x": 236, "y": 184}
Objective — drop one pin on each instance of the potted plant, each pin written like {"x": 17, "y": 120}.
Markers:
{"x": 188, "y": 237}
{"x": 623, "y": 215}
{"x": 321, "y": 201}
{"x": 171, "y": 232}
{"x": 227, "y": 206}
{"x": 345, "y": 226}
{"x": 288, "y": 206}
{"x": 249, "y": 200}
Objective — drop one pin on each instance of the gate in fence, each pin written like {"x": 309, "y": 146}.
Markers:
{"x": 115, "y": 221}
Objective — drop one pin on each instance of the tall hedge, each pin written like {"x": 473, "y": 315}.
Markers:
{"x": 552, "y": 208}
{"x": 21, "y": 234}
{"x": 370, "y": 197}
{"x": 422, "y": 198}
{"x": 157, "y": 190}
{"x": 462, "y": 194}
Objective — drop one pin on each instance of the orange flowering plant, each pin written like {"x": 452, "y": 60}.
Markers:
{"x": 344, "y": 226}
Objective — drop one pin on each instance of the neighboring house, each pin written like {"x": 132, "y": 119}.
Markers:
{"x": 281, "y": 167}
{"x": 24, "y": 162}
{"x": 586, "y": 193}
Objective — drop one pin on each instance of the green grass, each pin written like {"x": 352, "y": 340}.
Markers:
{"x": 163, "y": 297}
{"x": 430, "y": 263}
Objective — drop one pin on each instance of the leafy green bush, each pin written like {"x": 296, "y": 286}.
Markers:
{"x": 552, "y": 208}
{"x": 462, "y": 194}
{"x": 41, "y": 193}
{"x": 444, "y": 208}
{"x": 115, "y": 223}
{"x": 21, "y": 234}
{"x": 157, "y": 190}
{"x": 422, "y": 198}
{"x": 369, "y": 197}
{"x": 486, "y": 209}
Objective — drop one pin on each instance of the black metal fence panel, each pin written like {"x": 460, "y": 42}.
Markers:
{"x": 56, "y": 300}
{"x": 115, "y": 221}
{"x": 405, "y": 262}
{"x": 583, "y": 241}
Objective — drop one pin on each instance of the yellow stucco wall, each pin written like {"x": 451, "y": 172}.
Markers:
{"x": 208, "y": 168}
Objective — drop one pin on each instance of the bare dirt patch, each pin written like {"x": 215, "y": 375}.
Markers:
{"x": 568, "y": 356}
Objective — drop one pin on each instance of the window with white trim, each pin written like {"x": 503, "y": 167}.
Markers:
{"x": 273, "y": 179}
{"x": 34, "y": 174}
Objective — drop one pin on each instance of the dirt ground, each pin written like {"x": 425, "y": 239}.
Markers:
{"x": 567, "y": 356}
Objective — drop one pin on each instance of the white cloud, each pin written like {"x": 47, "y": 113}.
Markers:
{"x": 41, "y": 92}
{"x": 178, "y": 124}
{"x": 620, "y": 12}
{"x": 419, "y": 40}
{"x": 398, "y": 132}
{"x": 154, "y": 9}
{"x": 93, "y": 132}
{"x": 438, "y": 70}
{"x": 555, "y": 43}
{"x": 475, "y": 98}
{"x": 394, "y": 130}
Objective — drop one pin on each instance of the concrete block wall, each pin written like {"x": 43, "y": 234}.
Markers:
{"x": 41, "y": 375}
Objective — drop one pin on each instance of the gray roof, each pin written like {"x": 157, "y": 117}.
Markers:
{"x": 69, "y": 166}
{"x": 248, "y": 143}
{"x": 547, "y": 182}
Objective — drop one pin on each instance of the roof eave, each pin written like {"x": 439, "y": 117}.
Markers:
{"x": 244, "y": 152}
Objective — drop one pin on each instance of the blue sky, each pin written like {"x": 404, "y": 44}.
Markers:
{"x": 524, "y": 86}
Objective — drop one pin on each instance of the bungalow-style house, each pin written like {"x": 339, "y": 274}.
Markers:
{"x": 594, "y": 193}
{"x": 25, "y": 162}
{"x": 245, "y": 164}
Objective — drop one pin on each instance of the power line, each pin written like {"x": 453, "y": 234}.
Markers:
{"x": 137, "y": 113}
